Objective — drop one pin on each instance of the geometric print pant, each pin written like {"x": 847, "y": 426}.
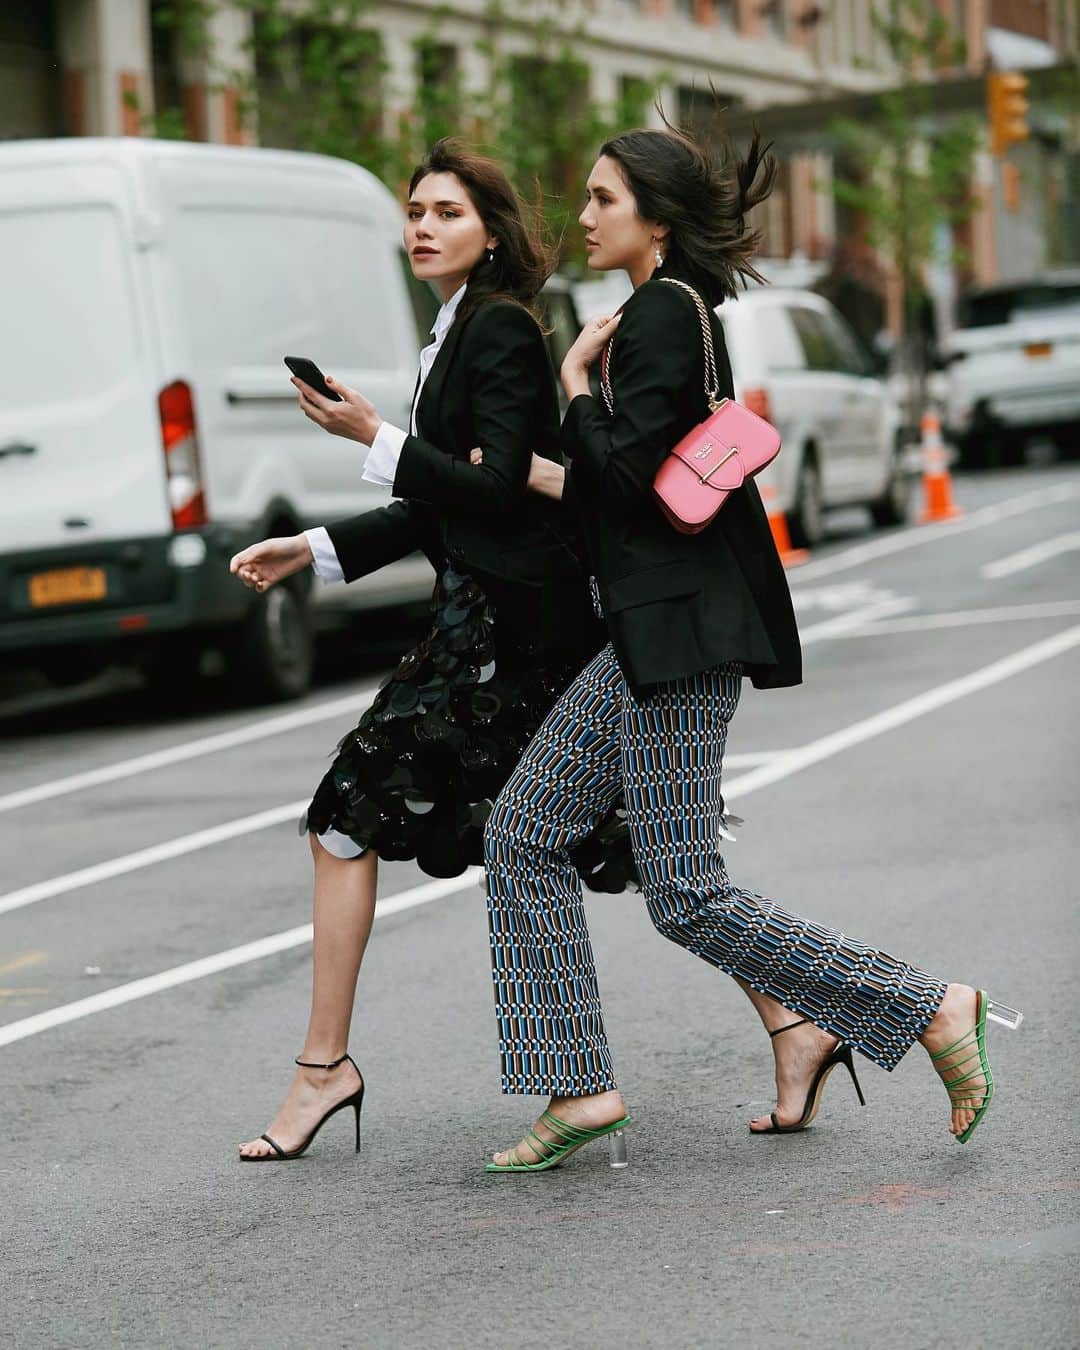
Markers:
{"x": 664, "y": 750}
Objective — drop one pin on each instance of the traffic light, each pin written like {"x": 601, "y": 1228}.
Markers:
{"x": 1007, "y": 107}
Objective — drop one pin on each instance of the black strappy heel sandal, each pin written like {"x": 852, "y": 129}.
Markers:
{"x": 841, "y": 1055}
{"x": 356, "y": 1101}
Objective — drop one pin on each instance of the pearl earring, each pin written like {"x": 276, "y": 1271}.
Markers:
{"x": 491, "y": 255}
{"x": 658, "y": 256}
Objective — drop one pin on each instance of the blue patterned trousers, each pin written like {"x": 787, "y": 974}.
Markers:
{"x": 665, "y": 750}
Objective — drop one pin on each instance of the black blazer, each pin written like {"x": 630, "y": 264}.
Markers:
{"x": 491, "y": 386}
{"x": 675, "y": 604}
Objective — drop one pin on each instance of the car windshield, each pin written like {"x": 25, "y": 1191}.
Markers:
{"x": 987, "y": 308}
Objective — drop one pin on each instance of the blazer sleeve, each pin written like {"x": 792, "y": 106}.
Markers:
{"x": 506, "y": 367}
{"x": 369, "y": 541}
{"x": 656, "y": 362}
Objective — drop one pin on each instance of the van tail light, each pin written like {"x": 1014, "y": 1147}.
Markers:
{"x": 180, "y": 442}
{"x": 757, "y": 401}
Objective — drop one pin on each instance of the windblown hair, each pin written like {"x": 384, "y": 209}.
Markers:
{"x": 703, "y": 196}
{"x": 523, "y": 260}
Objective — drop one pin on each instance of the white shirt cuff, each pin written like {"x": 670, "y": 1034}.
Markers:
{"x": 381, "y": 464}
{"x": 324, "y": 558}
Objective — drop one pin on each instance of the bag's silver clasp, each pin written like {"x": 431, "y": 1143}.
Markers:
{"x": 720, "y": 463}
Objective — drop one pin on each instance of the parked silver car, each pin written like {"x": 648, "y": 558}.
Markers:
{"x": 1013, "y": 367}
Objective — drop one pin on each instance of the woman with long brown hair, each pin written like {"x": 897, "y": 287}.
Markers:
{"x": 688, "y": 616}
{"x": 511, "y": 619}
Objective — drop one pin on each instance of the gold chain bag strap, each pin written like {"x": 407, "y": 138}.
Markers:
{"x": 715, "y": 457}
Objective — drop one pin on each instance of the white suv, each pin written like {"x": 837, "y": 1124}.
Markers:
{"x": 1013, "y": 365}
{"x": 797, "y": 363}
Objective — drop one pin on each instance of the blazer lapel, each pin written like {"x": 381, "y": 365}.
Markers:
{"x": 427, "y": 410}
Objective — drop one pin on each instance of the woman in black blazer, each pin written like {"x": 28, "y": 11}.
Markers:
{"x": 512, "y": 619}
{"x": 688, "y": 616}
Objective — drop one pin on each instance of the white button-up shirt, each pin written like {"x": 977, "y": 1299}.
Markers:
{"x": 382, "y": 460}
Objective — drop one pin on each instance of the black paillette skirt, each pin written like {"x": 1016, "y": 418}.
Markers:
{"x": 417, "y": 776}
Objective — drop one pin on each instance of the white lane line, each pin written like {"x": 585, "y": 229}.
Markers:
{"x": 176, "y": 754}
{"x": 212, "y": 965}
{"x": 967, "y": 618}
{"x": 840, "y": 624}
{"x": 913, "y": 536}
{"x": 147, "y": 857}
{"x": 1030, "y": 557}
{"x": 752, "y": 758}
{"x": 793, "y": 762}
{"x": 827, "y": 746}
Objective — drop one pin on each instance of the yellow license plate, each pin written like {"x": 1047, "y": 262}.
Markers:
{"x": 68, "y": 586}
{"x": 1038, "y": 349}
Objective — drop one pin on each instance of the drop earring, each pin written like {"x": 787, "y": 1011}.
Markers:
{"x": 657, "y": 254}
{"x": 491, "y": 255}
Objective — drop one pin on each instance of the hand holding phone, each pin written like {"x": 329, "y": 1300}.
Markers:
{"x": 309, "y": 372}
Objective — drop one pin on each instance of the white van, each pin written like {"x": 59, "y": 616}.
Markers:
{"x": 148, "y": 429}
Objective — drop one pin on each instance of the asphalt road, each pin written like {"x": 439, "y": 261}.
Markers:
{"x": 919, "y": 790}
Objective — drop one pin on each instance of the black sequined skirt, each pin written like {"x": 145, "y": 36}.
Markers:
{"x": 417, "y": 776}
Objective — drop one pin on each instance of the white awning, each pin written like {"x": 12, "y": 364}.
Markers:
{"x": 1014, "y": 51}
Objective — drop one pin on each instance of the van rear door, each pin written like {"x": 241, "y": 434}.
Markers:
{"x": 80, "y": 440}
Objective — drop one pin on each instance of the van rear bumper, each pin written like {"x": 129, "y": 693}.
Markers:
{"x": 158, "y": 585}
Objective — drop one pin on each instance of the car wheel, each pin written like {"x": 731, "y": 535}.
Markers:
{"x": 807, "y": 520}
{"x": 894, "y": 504}
{"x": 275, "y": 650}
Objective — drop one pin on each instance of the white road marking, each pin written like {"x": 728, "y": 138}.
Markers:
{"x": 792, "y": 762}
{"x": 275, "y": 726}
{"x": 913, "y": 536}
{"x": 212, "y": 965}
{"x": 176, "y": 754}
{"x": 966, "y": 618}
{"x": 1030, "y": 557}
{"x": 827, "y": 746}
{"x": 147, "y": 857}
{"x": 841, "y": 624}
{"x": 839, "y": 597}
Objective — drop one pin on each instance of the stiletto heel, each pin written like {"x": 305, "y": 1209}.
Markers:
{"x": 972, "y": 1064}
{"x": 355, "y": 1100}
{"x": 840, "y": 1055}
{"x": 568, "y": 1139}
{"x": 846, "y": 1060}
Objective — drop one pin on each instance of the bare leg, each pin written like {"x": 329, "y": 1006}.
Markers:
{"x": 344, "y": 910}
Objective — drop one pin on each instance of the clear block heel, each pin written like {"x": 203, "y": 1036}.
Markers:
{"x": 617, "y": 1149}
{"x": 1000, "y": 1012}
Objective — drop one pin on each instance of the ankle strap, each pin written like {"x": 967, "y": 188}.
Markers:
{"x": 790, "y": 1027}
{"x": 307, "y": 1064}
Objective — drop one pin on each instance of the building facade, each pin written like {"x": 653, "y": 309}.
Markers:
{"x": 110, "y": 67}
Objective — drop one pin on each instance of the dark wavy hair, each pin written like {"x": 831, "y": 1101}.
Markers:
{"x": 703, "y": 196}
{"x": 523, "y": 260}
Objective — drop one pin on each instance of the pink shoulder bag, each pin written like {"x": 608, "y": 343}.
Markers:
{"x": 716, "y": 456}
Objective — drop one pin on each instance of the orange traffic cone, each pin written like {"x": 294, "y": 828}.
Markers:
{"x": 789, "y": 556}
{"x": 937, "y": 485}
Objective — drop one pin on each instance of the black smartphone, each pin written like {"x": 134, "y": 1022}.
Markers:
{"x": 310, "y": 373}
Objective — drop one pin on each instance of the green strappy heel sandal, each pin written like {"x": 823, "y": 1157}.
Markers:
{"x": 971, "y": 1086}
{"x": 568, "y": 1139}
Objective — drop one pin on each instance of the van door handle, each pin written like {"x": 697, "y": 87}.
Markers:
{"x": 233, "y": 397}
{"x": 17, "y": 448}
